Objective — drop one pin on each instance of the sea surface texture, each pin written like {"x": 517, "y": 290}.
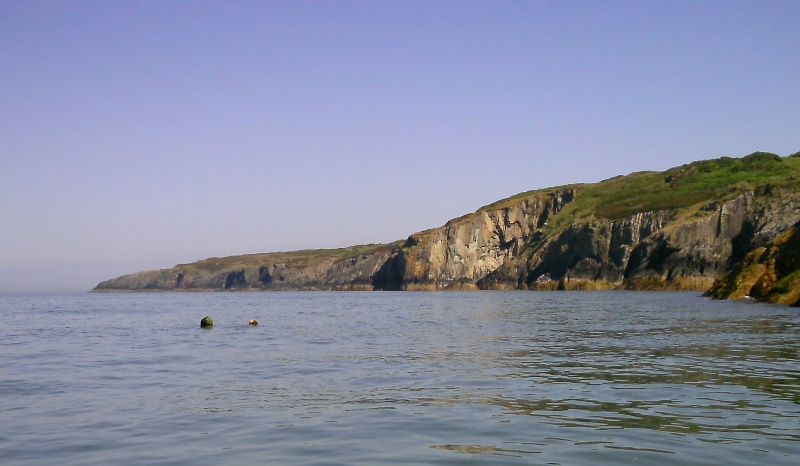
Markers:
{"x": 398, "y": 378}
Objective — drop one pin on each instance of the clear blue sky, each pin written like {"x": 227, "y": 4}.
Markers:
{"x": 138, "y": 135}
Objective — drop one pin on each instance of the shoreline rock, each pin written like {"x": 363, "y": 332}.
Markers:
{"x": 558, "y": 238}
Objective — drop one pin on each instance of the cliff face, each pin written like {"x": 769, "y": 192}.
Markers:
{"x": 767, "y": 273}
{"x": 680, "y": 229}
{"x": 665, "y": 249}
{"x": 465, "y": 250}
{"x": 343, "y": 269}
{"x": 508, "y": 249}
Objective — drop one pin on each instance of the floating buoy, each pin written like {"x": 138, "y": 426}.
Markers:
{"x": 253, "y": 322}
{"x": 206, "y": 322}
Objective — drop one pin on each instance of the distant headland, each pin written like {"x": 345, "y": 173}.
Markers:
{"x": 729, "y": 226}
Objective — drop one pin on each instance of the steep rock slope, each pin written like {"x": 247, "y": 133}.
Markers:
{"x": 679, "y": 229}
{"x": 768, "y": 273}
{"x": 469, "y": 248}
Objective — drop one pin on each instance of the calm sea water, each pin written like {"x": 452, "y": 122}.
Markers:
{"x": 398, "y": 378}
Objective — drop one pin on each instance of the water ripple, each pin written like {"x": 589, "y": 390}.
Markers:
{"x": 398, "y": 378}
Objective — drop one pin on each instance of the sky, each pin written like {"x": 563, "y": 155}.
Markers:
{"x": 137, "y": 135}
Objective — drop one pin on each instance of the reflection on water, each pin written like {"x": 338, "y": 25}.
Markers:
{"x": 719, "y": 380}
{"x": 404, "y": 378}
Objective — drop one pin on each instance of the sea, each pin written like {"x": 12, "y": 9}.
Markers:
{"x": 365, "y": 378}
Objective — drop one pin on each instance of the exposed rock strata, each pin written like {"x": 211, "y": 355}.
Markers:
{"x": 464, "y": 251}
{"x": 507, "y": 248}
{"x": 767, "y": 273}
{"x": 274, "y": 271}
{"x": 537, "y": 241}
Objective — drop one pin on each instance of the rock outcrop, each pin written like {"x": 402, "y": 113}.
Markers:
{"x": 465, "y": 250}
{"x": 768, "y": 273}
{"x": 681, "y": 229}
{"x": 341, "y": 269}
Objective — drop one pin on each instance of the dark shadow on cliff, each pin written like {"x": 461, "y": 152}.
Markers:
{"x": 390, "y": 276}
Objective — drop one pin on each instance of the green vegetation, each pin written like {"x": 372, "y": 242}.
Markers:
{"x": 303, "y": 258}
{"x": 503, "y": 203}
{"x": 679, "y": 196}
{"x": 686, "y": 186}
{"x": 690, "y": 185}
{"x": 770, "y": 273}
{"x": 787, "y": 283}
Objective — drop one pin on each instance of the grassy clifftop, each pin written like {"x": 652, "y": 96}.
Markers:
{"x": 680, "y": 224}
{"x": 684, "y": 186}
{"x": 688, "y": 186}
{"x": 298, "y": 259}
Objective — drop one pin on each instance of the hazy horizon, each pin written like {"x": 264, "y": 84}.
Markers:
{"x": 140, "y": 135}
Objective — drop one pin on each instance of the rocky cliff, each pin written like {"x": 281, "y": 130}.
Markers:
{"x": 679, "y": 229}
{"x": 770, "y": 272}
{"x": 336, "y": 269}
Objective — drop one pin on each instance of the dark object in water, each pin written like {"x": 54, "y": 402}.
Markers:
{"x": 253, "y": 322}
{"x": 206, "y": 322}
